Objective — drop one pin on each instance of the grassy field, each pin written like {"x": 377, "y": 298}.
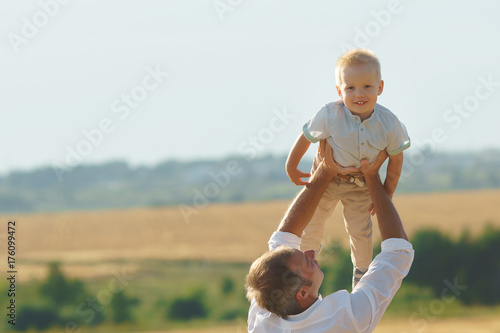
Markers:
{"x": 481, "y": 324}
{"x": 145, "y": 242}
{"x": 225, "y": 232}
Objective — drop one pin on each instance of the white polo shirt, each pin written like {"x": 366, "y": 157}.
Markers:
{"x": 353, "y": 140}
{"x": 341, "y": 312}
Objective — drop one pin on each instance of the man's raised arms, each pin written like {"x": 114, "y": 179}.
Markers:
{"x": 302, "y": 208}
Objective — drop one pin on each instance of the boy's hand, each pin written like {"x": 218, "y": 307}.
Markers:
{"x": 297, "y": 175}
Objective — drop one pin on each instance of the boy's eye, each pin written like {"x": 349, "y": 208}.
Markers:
{"x": 367, "y": 86}
{"x": 349, "y": 88}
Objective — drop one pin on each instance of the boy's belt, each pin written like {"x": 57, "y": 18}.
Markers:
{"x": 357, "y": 179}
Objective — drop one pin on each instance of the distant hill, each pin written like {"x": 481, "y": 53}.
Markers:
{"x": 232, "y": 179}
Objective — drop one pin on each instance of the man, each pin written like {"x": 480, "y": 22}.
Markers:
{"x": 283, "y": 283}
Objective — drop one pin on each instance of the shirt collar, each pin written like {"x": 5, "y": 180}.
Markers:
{"x": 306, "y": 312}
{"x": 349, "y": 114}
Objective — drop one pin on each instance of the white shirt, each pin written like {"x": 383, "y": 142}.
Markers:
{"x": 352, "y": 139}
{"x": 359, "y": 311}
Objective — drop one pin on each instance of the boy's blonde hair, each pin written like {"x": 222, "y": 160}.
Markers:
{"x": 356, "y": 57}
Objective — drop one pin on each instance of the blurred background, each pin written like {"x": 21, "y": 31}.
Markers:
{"x": 143, "y": 150}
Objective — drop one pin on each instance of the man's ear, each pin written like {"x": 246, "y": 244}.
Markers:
{"x": 302, "y": 293}
{"x": 339, "y": 91}
{"x": 381, "y": 87}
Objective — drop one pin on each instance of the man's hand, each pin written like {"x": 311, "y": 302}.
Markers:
{"x": 326, "y": 153}
{"x": 296, "y": 176}
{"x": 371, "y": 170}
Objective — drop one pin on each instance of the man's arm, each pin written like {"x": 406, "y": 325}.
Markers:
{"x": 388, "y": 218}
{"x": 394, "y": 168}
{"x": 377, "y": 287}
{"x": 303, "y": 207}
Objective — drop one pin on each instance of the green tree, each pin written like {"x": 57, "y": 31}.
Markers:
{"x": 436, "y": 259}
{"x": 227, "y": 286}
{"x": 471, "y": 263}
{"x": 482, "y": 269}
{"x": 121, "y": 305}
{"x": 189, "y": 307}
{"x": 337, "y": 267}
{"x": 35, "y": 317}
{"x": 59, "y": 290}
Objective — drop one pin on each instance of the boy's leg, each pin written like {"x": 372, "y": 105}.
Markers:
{"x": 313, "y": 233}
{"x": 356, "y": 201}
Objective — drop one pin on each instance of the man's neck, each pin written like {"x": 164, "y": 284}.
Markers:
{"x": 306, "y": 303}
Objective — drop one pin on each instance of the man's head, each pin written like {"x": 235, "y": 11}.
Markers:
{"x": 284, "y": 281}
{"x": 359, "y": 81}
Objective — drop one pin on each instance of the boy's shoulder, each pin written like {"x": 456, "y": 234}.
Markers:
{"x": 335, "y": 106}
{"x": 385, "y": 115}
{"x": 384, "y": 112}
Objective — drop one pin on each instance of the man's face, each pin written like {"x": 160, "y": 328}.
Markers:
{"x": 306, "y": 263}
{"x": 360, "y": 88}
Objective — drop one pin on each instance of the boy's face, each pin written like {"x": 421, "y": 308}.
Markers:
{"x": 360, "y": 88}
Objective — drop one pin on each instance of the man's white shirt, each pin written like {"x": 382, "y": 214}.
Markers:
{"x": 359, "y": 311}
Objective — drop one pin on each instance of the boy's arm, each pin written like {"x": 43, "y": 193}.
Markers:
{"x": 394, "y": 168}
{"x": 298, "y": 150}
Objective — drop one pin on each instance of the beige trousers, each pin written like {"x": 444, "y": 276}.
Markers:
{"x": 358, "y": 224}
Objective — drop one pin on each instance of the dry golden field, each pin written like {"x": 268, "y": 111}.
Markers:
{"x": 85, "y": 241}
{"x": 225, "y": 232}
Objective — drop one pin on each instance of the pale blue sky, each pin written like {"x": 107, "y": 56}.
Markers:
{"x": 229, "y": 74}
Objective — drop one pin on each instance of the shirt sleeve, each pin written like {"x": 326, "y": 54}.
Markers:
{"x": 316, "y": 128}
{"x": 279, "y": 238}
{"x": 377, "y": 287}
{"x": 398, "y": 139}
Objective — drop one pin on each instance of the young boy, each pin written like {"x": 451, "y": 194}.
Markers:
{"x": 356, "y": 127}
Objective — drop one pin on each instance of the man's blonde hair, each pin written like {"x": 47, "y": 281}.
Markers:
{"x": 273, "y": 285}
{"x": 356, "y": 57}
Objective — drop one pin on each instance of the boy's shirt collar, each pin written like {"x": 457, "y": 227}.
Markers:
{"x": 357, "y": 118}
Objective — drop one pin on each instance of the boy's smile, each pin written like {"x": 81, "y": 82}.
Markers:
{"x": 360, "y": 88}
